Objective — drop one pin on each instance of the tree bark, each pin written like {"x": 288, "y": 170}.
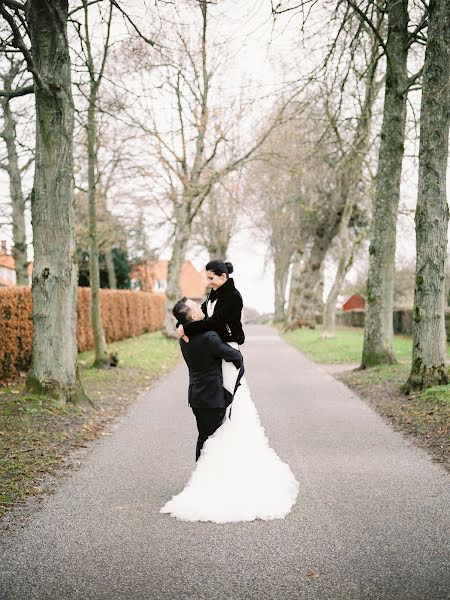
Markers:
{"x": 55, "y": 265}
{"x": 348, "y": 249}
{"x": 329, "y": 312}
{"x": 176, "y": 262}
{"x": 112, "y": 280}
{"x": 306, "y": 306}
{"x": 335, "y": 220}
{"x": 101, "y": 356}
{"x": 217, "y": 249}
{"x": 281, "y": 272}
{"x": 378, "y": 331}
{"x": 432, "y": 213}
{"x": 295, "y": 287}
{"x": 15, "y": 187}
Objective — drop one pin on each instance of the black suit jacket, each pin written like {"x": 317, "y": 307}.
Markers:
{"x": 203, "y": 355}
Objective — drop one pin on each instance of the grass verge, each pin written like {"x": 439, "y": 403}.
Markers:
{"x": 345, "y": 347}
{"x": 37, "y": 434}
{"x": 425, "y": 415}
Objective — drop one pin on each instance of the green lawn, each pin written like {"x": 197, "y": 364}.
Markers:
{"x": 346, "y": 347}
{"x": 151, "y": 353}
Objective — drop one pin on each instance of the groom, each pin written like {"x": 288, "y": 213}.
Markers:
{"x": 203, "y": 355}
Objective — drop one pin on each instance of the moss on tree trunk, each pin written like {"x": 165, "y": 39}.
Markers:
{"x": 378, "y": 331}
{"x": 55, "y": 273}
{"x": 432, "y": 213}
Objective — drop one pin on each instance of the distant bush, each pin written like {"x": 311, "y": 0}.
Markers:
{"x": 124, "y": 314}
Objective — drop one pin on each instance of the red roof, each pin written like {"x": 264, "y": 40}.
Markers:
{"x": 153, "y": 277}
{"x": 7, "y": 261}
{"x": 354, "y": 302}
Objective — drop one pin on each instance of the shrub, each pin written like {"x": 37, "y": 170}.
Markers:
{"x": 124, "y": 314}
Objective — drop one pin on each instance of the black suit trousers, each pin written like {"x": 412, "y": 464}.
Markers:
{"x": 208, "y": 420}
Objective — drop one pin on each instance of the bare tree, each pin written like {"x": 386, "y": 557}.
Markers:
{"x": 14, "y": 71}
{"x": 378, "y": 331}
{"x": 432, "y": 213}
{"x": 95, "y": 77}
{"x": 348, "y": 84}
{"x": 279, "y": 198}
{"x": 197, "y": 151}
{"x": 338, "y": 189}
{"x": 52, "y": 204}
{"x": 348, "y": 243}
{"x": 217, "y": 220}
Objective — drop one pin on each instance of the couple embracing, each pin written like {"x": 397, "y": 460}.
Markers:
{"x": 238, "y": 476}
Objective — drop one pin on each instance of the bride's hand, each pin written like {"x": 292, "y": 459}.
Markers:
{"x": 180, "y": 331}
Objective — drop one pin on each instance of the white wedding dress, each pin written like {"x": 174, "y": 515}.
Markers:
{"x": 238, "y": 476}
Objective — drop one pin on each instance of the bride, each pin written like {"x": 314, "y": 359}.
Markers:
{"x": 238, "y": 476}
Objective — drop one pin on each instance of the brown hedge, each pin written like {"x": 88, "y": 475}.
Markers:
{"x": 124, "y": 314}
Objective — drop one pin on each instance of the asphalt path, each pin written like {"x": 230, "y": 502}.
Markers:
{"x": 371, "y": 520}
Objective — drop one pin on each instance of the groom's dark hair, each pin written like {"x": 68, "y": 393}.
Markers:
{"x": 181, "y": 311}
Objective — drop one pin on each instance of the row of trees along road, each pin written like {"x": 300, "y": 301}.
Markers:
{"x": 35, "y": 47}
{"x": 393, "y": 34}
{"x": 320, "y": 172}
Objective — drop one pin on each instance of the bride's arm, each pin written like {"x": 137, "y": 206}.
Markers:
{"x": 225, "y": 351}
{"x": 221, "y": 316}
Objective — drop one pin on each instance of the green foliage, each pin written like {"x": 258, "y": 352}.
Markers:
{"x": 439, "y": 393}
{"x": 122, "y": 269}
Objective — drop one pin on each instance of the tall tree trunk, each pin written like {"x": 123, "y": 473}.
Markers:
{"x": 295, "y": 287}
{"x": 329, "y": 312}
{"x": 218, "y": 249}
{"x": 307, "y": 306}
{"x": 348, "y": 250}
{"x": 337, "y": 218}
{"x": 176, "y": 262}
{"x": 15, "y": 189}
{"x": 101, "y": 356}
{"x": 55, "y": 273}
{"x": 378, "y": 331}
{"x": 432, "y": 213}
{"x": 112, "y": 280}
{"x": 281, "y": 272}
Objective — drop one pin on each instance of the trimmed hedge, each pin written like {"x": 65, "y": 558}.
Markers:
{"x": 124, "y": 314}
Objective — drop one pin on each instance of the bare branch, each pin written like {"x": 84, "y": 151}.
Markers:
{"x": 14, "y": 5}
{"x": 29, "y": 89}
{"x": 19, "y": 43}
{"x": 132, "y": 23}
{"x": 368, "y": 22}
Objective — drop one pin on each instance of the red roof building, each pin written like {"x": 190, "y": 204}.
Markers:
{"x": 8, "y": 268}
{"x": 354, "y": 302}
{"x": 152, "y": 277}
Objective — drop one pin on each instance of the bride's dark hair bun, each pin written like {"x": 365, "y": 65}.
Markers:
{"x": 219, "y": 267}
{"x": 229, "y": 266}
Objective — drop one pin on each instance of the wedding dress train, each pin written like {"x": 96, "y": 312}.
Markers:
{"x": 238, "y": 476}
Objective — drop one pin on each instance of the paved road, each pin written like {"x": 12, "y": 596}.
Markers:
{"x": 371, "y": 521}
